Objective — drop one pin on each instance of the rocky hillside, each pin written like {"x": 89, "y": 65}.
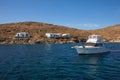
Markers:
{"x": 109, "y": 33}
{"x": 37, "y": 31}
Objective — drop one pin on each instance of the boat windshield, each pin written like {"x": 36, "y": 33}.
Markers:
{"x": 94, "y": 37}
{"x": 94, "y": 44}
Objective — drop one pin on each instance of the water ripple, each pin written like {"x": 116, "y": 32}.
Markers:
{"x": 56, "y": 62}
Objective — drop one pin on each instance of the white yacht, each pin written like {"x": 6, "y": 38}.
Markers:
{"x": 94, "y": 45}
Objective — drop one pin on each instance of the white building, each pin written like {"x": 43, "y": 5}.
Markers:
{"x": 67, "y": 35}
{"x": 59, "y": 35}
{"x": 50, "y": 35}
{"x": 22, "y": 35}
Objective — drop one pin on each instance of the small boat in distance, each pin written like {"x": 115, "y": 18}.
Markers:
{"x": 94, "y": 45}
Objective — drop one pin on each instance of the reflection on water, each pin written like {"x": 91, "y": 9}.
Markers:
{"x": 92, "y": 57}
{"x": 91, "y": 62}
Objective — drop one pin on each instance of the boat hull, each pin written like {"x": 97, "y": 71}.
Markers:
{"x": 95, "y": 50}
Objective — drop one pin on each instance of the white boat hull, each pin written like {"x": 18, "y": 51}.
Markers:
{"x": 94, "y": 45}
{"x": 92, "y": 50}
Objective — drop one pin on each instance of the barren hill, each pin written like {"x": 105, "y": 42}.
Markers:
{"x": 109, "y": 33}
{"x": 37, "y": 30}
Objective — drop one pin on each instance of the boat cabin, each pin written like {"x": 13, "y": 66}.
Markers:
{"x": 94, "y": 40}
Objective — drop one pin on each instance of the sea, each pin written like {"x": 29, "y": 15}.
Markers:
{"x": 57, "y": 62}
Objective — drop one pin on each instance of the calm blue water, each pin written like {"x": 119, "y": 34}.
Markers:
{"x": 57, "y": 62}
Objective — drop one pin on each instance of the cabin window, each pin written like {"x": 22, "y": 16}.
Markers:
{"x": 94, "y": 44}
{"x": 99, "y": 44}
{"x": 90, "y": 44}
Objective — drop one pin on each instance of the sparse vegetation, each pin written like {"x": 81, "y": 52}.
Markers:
{"x": 37, "y": 31}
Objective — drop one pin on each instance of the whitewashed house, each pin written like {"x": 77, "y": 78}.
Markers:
{"x": 22, "y": 35}
{"x": 66, "y": 35}
{"x": 53, "y": 35}
{"x": 50, "y": 35}
{"x": 58, "y": 35}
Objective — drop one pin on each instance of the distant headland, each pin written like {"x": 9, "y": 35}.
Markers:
{"x": 37, "y": 33}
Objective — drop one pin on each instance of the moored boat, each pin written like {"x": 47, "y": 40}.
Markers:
{"x": 94, "y": 45}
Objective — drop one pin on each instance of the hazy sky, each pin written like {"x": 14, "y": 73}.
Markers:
{"x": 81, "y": 14}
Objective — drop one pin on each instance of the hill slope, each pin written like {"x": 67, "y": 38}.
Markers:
{"x": 109, "y": 33}
{"x": 37, "y": 31}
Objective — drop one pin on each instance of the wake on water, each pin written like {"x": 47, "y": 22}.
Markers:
{"x": 116, "y": 51}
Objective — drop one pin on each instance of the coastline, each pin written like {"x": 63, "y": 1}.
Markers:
{"x": 36, "y": 33}
{"x": 38, "y": 41}
{"x": 45, "y": 41}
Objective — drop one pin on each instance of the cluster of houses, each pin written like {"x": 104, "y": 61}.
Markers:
{"x": 58, "y": 35}
{"x": 48, "y": 35}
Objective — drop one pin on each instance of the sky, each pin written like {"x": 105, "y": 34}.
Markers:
{"x": 80, "y": 14}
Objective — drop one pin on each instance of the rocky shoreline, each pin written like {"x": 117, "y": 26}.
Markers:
{"x": 43, "y": 41}
{"x": 39, "y": 41}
